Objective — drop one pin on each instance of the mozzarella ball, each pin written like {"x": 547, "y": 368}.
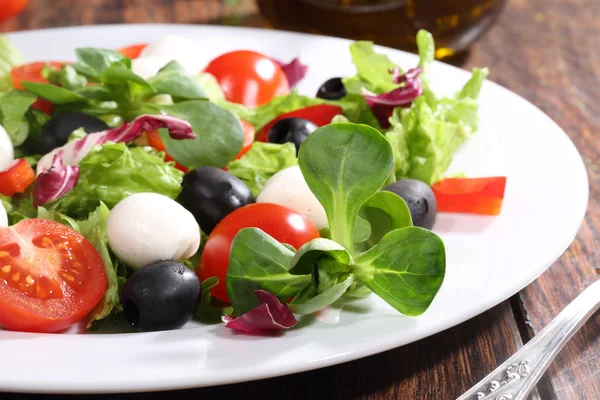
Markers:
{"x": 148, "y": 227}
{"x": 179, "y": 48}
{"x": 288, "y": 188}
{"x": 6, "y": 150}
{"x": 147, "y": 67}
{"x": 3, "y": 216}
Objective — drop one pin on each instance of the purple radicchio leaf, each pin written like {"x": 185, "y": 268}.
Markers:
{"x": 398, "y": 77}
{"x": 294, "y": 71}
{"x": 74, "y": 151}
{"x": 54, "y": 182}
{"x": 269, "y": 316}
{"x": 383, "y": 105}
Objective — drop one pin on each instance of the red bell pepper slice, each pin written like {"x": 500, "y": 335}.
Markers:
{"x": 470, "y": 195}
{"x": 132, "y": 51}
{"x": 16, "y": 178}
{"x": 320, "y": 115}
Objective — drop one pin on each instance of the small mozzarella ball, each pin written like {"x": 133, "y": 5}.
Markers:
{"x": 3, "y": 216}
{"x": 147, "y": 67}
{"x": 288, "y": 188}
{"x": 147, "y": 227}
{"x": 6, "y": 150}
{"x": 179, "y": 48}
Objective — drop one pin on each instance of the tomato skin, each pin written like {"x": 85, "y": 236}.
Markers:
{"x": 282, "y": 223}
{"x": 17, "y": 178}
{"x": 32, "y": 72}
{"x": 470, "y": 195}
{"x": 249, "y": 134}
{"x": 10, "y": 8}
{"x": 248, "y": 78}
{"x": 43, "y": 105}
{"x": 320, "y": 115}
{"x": 132, "y": 51}
{"x": 41, "y": 298}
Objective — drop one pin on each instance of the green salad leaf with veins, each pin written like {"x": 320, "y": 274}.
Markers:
{"x": 345, "y": 165}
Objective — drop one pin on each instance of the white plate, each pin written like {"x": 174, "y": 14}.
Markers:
{"x": 489, "y": 258}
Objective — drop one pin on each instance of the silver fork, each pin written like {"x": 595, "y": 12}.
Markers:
{"x": 517, "y": 377}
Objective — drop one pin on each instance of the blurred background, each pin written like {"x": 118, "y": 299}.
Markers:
{"x": 455, "y": 24}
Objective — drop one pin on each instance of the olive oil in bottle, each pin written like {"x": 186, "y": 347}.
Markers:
{"x": 455, "y": 24}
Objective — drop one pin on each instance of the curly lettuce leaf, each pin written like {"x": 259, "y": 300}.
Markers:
{"x": 112, "y": 172}
{"x": 373, "y": 70}
{"x": 262, "y": 162}
{"x": 10, "y": 57}
{"x": 94, "y": 229}
{"x": 18, "y": 207}
{"x": 13, "y": 109}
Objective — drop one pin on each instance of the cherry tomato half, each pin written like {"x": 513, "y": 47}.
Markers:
{"x": 133, "y": 51}
{"x": 470, "y": 195}
{"x": 280, "y": 222}
{"x": 320, "y": 115}
{"x": 16, "y": 178}
{"x": 31, "y": 73}
{"x": 248, "y": 78}
{"x": 10, "y": 8}
{"x": 50, "y": 276}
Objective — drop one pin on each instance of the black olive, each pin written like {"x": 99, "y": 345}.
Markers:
{"x": 162, "y": 295}
{"x": 333, "y": 89}
{"x": 211, "y": 194}
{"x": 294, "y": 130}
{"x": 56, "y": 131}
{"x": 420, "y": 200}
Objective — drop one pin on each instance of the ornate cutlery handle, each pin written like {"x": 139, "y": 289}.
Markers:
{"x": 515, "y": 379}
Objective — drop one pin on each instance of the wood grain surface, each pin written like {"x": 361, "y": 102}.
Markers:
{"x": 548, "y": 51}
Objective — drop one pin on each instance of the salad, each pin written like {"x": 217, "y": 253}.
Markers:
{"x": 149, "y": 185}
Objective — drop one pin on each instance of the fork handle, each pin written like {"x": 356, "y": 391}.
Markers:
{"x": 517, "y": 377}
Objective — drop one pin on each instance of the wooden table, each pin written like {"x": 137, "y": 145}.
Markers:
{"x": 548, "y": 51}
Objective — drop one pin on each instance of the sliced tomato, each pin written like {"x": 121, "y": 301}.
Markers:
{"x": 248, "y": 78}
{"x": 282, "y": 223}
{"x": 132, "y": 51}
{"x": 155, "y": 141}
{"x": 10, "y": 8}
{"x": 32, "y": 73}
{"x": 319, "y": 115}
{"x": 16, "y": 178}
{"x": 470, "y": 195}
{"x": 249, "y": 134}
{"x": 50, "y": 276}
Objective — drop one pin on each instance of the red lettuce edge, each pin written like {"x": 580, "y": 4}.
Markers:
{"x": 269, "y": 316}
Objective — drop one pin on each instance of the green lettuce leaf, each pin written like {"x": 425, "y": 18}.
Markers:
{"x": 262, "y": 162}
{"x": 112, "y": 172}
{"x": 426, "y": 136}
{"x": 94, "y": 229}
{"x": 66, "y": 77}
{"x": 13, "y": 107}
{"x": 10, "y": 57}
{"x": 373, "y": 70}
{"x": 58, "y": 217}
{"x": 19, "y": 207}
